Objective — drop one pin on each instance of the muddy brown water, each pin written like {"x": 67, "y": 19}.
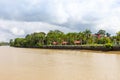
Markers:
{"x": 45, "y": 64}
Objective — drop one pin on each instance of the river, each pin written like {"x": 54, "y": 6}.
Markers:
{"x": 45, "y": 64}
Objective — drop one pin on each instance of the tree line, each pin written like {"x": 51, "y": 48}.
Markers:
{"x": 57, "y": 37}
{"x": 4, "y": 43}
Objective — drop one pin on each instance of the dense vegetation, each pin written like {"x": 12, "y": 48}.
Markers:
{"x": 57, "y": 37}
{"x": 4, "y": 43}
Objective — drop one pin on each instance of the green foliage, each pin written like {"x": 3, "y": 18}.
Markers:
{"x": 118, "y": 36}
{"x": 71, "y": 37}
{"x": 55, "y": 35}
{"x": 4, "y": 43}
{"x": 32, "y": 40}
{"x": 86, "y": 38}
{"x": 11, "y": 42}
{"x": 102, "y": 32}
{"x": 109, "y": 45}
{"x": 108, "y": 34}
{"x": 104, "y": 40}
{"x": 19, "y": 42}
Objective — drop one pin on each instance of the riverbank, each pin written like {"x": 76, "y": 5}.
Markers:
{"x": 82, "y": 47}
{"x": 79, "y": 47}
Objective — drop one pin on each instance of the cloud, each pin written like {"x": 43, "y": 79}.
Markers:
{"x": 19, "y": 17}
{"x": 17, "y": 31}
{"x": 12, "y": 29}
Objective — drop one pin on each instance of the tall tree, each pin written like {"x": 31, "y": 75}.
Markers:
{"x": 118, "y": 37}
{"x": 71, "y": 37}
{"x": 102, "y": 32}
{"x": 87, "y": 34}
{"x": 108, "y": 34}
{"x": 54, "y": 36}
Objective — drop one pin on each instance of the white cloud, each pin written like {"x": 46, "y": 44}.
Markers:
{"x": 111, "y": 24}
{"x": 20, "y": 17}
{"x": 13, "y": 29}
{"x": 17, "y": 31}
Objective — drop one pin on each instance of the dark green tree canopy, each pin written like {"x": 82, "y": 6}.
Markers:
{"x": 102, "y": 32}
{"x": 39, "y": 39}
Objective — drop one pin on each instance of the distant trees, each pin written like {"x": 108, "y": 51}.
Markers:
{"x": 118, "y": 35}
{"x": 71, "y": 37}
{"x": 11, "y": 42}
{"x": 102, "y": 32}
{"x": 4, "y": 43}
{"x": 57, "y": 37}
{"x": 19, "y": 42}
{"x": 32, "y": 40}
{"x": 54, "y": 36}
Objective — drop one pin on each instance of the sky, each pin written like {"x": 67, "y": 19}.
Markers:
{"x": 21, "y": 17}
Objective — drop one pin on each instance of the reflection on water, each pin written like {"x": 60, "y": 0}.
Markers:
{"x": 41, "y": 64}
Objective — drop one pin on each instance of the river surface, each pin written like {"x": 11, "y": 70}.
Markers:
{"x": 45, "y": 64}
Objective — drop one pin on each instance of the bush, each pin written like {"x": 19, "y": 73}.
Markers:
{"x": 109, "y": 45}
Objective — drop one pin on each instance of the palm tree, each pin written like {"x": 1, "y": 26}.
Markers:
{"x": 71, "y": 37}
{"x": 118, "y": 37}
{"x": 87, "y": 34}
{"x": 54, "y": 36}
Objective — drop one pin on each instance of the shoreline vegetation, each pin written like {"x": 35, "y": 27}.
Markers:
{"x": 82, "y": 47}
{"x": 56, "y": 39}
{"x": 4, "y": 43}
